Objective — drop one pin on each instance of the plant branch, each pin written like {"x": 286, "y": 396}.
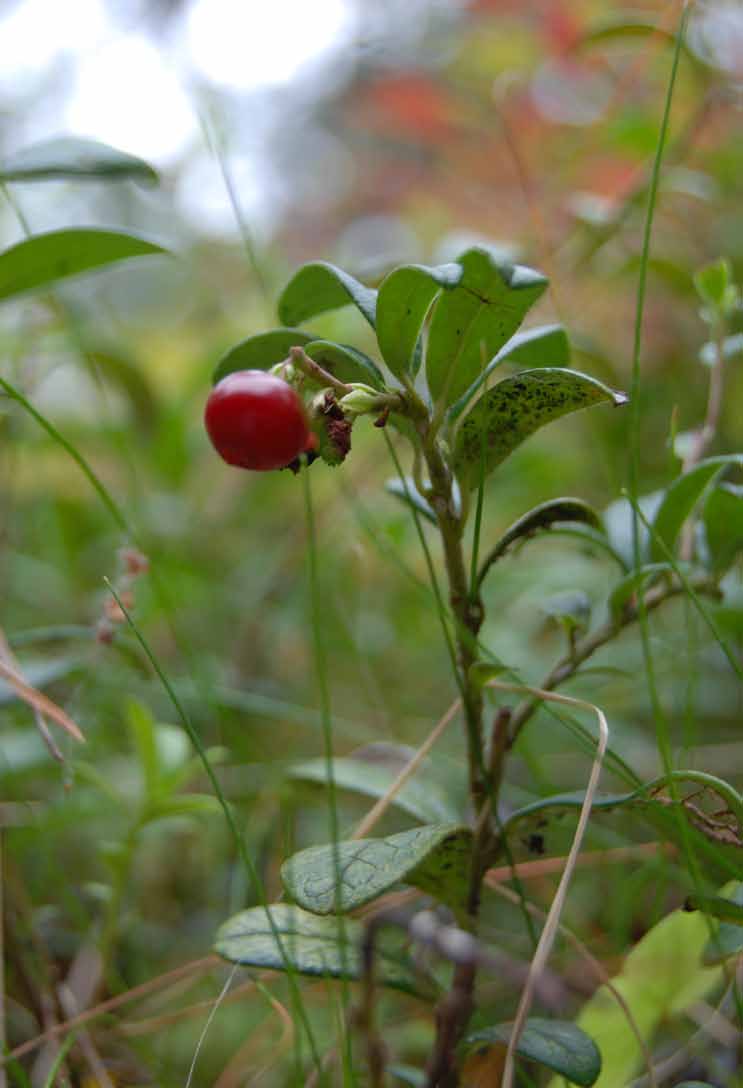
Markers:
{"x": 454, "y": 1011}
{"x": 299, "y": 358}
{"x": 569, "y": 665}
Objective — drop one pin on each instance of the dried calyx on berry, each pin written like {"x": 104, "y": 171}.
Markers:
{"x": 331, "y": 427}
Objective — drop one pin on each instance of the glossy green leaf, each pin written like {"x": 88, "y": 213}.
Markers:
{"x": 661, "y": 977}
{"x": 473, "y": 321}
{"x": 626, "y": 590}
{"x": 435, "y": 858}
{"x": 680, "y": 499}
{"x": 557, "y": 1044}
{"x": 723, "y": 525}
{"x": 515, "y": 409}
{"x": 318, "y": 287}
{"x": 312, "y": 945}
{"x": 732, "y": 346}
{"x": 45, "y": 259}
{"x": 260, "y": 352}
{"x": 541, "y": 519}
{"x": 422, "y": 796}
{"x": 546, "y": 345}
{"x": 408, "y": 493}
{"x": 72, "y": 157}
{"x": 404, "y": 299}
{"x": 727, "y": 941}
{"x": 346, "y": 363}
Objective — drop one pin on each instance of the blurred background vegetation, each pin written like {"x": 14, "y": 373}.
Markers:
{"x": 367, "y": 135}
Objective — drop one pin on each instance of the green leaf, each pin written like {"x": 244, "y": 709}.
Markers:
{"x": 542, "y": 518}
{"x": 645, "y": 797}
{"x": 44, "y": 259}
{"x": 712, "y": 282}
{"x": 546, "y": 345}
{"x": 723, "y": 524}
{"x": 473, "y": 321}
{"x": 183, "y": 804}
{"x": 680, "y": 499}
{"x": 662, "y": 976}
{"x": 408, "y": 493}
{"x": 421, "y": 797}
{"x": 558, "y": 1044}
{"x": 727, "y": 941}
{"x": 515, "y": 409}
{"x": 633, "y": 584}
{"x": 346, "y": 363}
{"x": 624, "y": 26}
{"x": 318, "y": 287}
{"x": 483, "y": 671}
{"x": 260, "y": 352}
{"x": 324, "y": 947}
{"x": 731, "y": 346}
{"x": 72, "y": 157}
{"x": 571, "y": 609}
{"x": 142, "y": 728}
{"x": 716, "y": 906}
{"x": 435, "y": 858}
{"x": 404, "y": 299}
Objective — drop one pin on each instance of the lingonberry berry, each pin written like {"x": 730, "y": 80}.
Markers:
{"x": 255, "y": 420}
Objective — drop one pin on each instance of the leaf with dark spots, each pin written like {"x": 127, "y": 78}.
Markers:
{"x": 545, "y": 345}
{"x": 515, "y": 409}
{"x": 435, "y": 858}
{"x": 474, "y": 320}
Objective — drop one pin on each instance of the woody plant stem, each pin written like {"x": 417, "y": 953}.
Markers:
{"x": 455, "y": 1009}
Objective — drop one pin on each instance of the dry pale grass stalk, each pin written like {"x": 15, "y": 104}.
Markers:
{"x": 546, "y": 940}
{"x": 375, "y": 814}
{"x": 39, "y": 702}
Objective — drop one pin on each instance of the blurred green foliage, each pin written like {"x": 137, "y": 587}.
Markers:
{"x": 117, "y": 865}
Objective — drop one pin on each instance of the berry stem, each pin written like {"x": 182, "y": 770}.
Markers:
{"x": 299, "y": 359}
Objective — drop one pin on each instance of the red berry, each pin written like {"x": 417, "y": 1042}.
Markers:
{"x": 256, "y": 420}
